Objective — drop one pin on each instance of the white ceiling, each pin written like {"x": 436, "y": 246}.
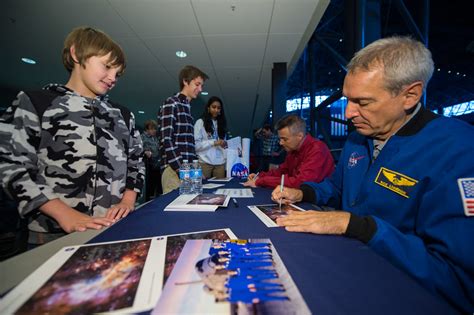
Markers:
{"x": 235, "y": 42}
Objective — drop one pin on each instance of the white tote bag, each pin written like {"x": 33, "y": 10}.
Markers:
{"x": 238, "y": 157}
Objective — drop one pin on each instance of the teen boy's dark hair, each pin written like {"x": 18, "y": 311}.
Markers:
{"x": 189, "y": 73}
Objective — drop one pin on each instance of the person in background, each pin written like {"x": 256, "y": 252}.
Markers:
{"x": 307, "y": 159}
{"x": 177, "y": 127}
{"x": 152, "y": 160}
{"x": 70, "y": 157}
{"x": 270, "y": 146}
{"x": 255, "y": 152}
{"x": 209, "y": 135}
{"x": 405, "y": 178}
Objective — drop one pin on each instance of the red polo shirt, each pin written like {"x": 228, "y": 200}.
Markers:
{"x": 312, "y": 162}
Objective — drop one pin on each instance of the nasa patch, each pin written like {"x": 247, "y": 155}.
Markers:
{"x": 354, "y": 159}
{"x": 239, "y": 170}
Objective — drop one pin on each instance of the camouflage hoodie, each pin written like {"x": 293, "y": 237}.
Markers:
{"x": 55, "y": 143}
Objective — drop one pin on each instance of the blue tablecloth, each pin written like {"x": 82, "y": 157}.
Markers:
{"x": 335, "y": 275}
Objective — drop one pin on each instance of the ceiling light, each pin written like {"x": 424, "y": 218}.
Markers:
{"x": 181, "y": 54}
{"x": 28, "y": 61}
{"x": 141, "y": 112}
{"x": 204, "y": 93}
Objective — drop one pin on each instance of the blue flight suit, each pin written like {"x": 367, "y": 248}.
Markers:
{"x": 411, "y": 193}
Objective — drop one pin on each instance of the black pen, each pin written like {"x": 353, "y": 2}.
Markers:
{"x": 235, "y": 202}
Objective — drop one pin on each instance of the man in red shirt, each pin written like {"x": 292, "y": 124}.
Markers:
{"x": 307, "y": 159}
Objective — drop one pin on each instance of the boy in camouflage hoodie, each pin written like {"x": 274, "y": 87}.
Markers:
{"x": 69, "y": 156}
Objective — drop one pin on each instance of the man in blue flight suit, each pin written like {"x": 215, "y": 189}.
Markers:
{"x": 405, "y": 179}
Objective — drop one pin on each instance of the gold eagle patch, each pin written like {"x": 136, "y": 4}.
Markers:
{"x": 396, "y": 182}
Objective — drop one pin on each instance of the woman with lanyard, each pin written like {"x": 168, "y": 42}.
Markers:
{"x": 209, "y": 136}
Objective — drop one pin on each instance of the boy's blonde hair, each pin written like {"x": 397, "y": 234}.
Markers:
{"x": 89, "y": 42}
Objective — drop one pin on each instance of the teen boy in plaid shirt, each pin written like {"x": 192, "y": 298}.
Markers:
{"x": 177, "y": 127}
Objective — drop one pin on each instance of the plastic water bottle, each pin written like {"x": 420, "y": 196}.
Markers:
{"x": 185, "y": 177}
{"x": 196, "y": 177}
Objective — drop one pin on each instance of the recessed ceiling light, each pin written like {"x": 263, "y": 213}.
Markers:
{"x": 28, "y": 61}
{"x": 141, "y": 112}
{"x": 204, "y": 93}
{"x": 181, "y": 54}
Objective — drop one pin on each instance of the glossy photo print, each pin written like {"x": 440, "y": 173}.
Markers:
{"x": 175, "y": 244}
{"x": 94, "y": 279}
{"x": 202, "y": 283}
{"x": 269, "y": 213}
{"x": 113, "y": 277}
{"x": 209, "y": 199}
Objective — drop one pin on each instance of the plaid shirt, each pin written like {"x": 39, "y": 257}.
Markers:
{"x": 176, "y": 132}
{"x": 271, "y": 144}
